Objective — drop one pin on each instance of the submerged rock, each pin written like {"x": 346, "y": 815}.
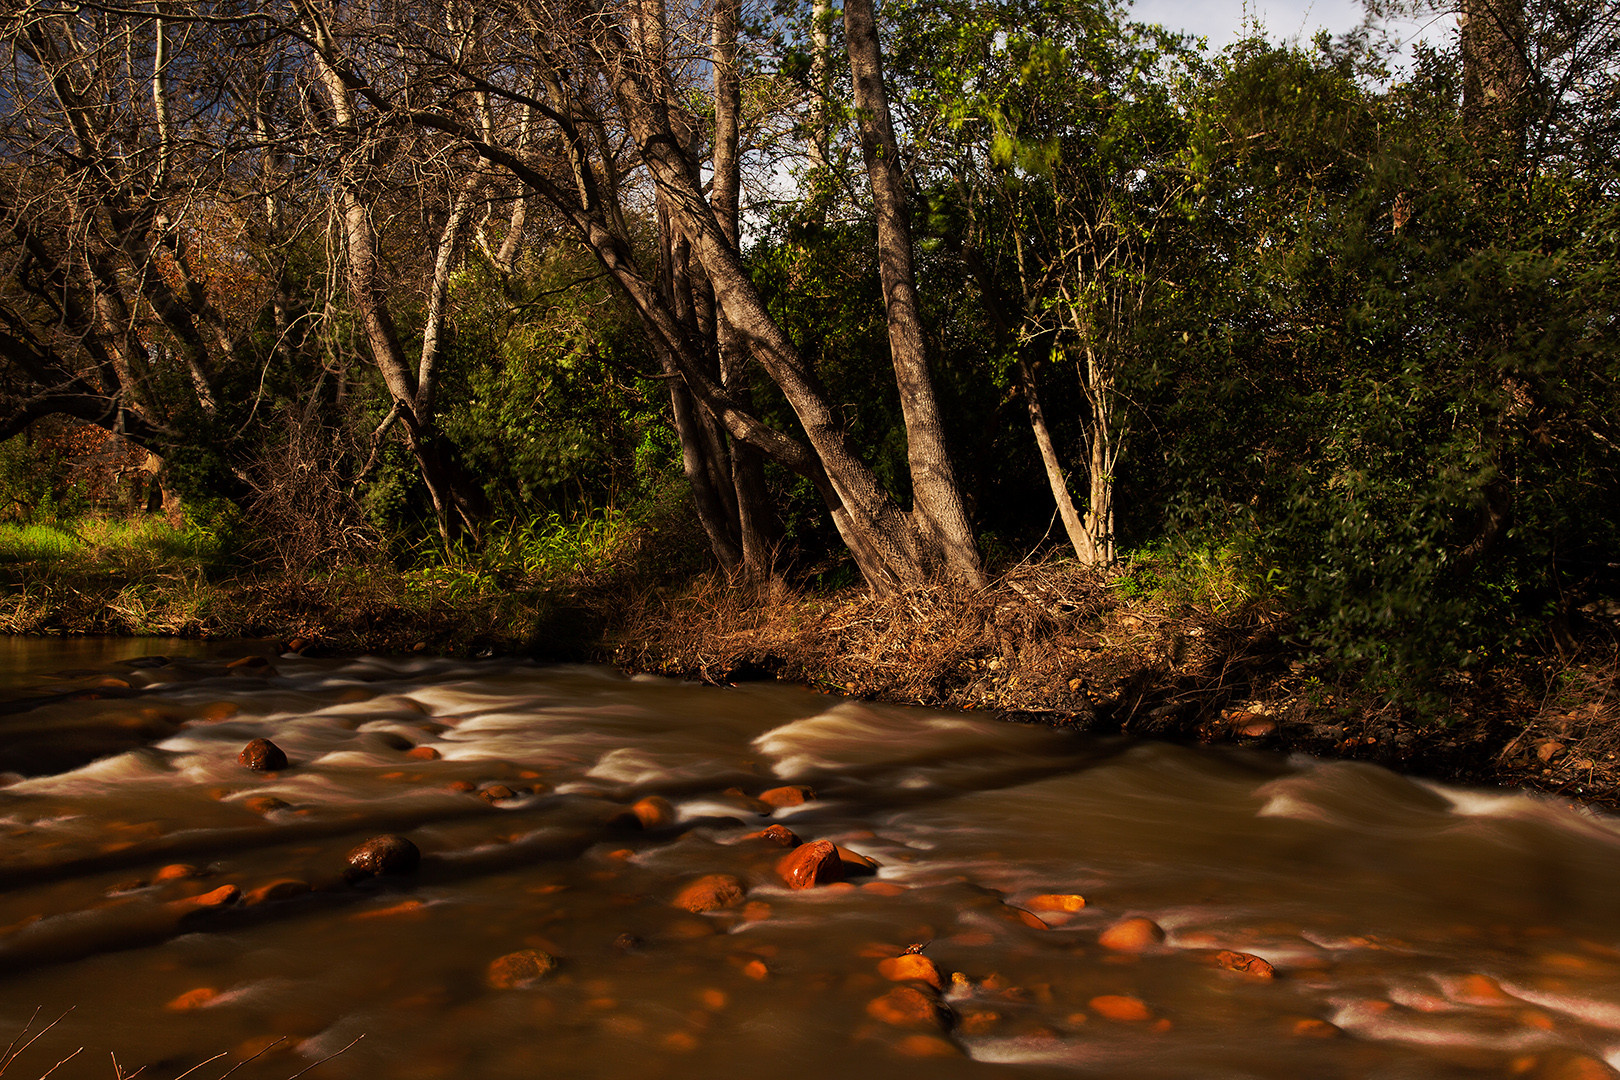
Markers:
{"x": 516, "y": 970}
{"x": 911, "y": 967}
{"x": 809, "y": 865}
{"x": 1243, "y": 963}
{"x": 906, "y": 1006}
{"x": 1132, "y": 935}
{"x": 388, "y": 854}
{"x": 262, "y": 755}
{"x": 780, "y": 835}
{"x": 710, "y": 893}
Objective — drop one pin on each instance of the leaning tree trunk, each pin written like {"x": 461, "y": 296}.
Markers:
{"x": 937, "y": 506}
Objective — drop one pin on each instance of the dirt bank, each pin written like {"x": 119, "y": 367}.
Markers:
{"x": 1050, "y": 643}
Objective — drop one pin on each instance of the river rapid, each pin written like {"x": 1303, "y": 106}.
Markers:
{"x": 1014, "y": 900}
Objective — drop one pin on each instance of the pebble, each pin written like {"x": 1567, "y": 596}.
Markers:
{"x": 423, "y": 753}
{"x": 1061, "y": 902}
{"x": 780, "y": 835}
{"x": 1121, "y": 1007}
{"x": 911, "y": 967}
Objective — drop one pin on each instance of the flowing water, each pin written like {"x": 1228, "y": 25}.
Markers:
{"x": 1415, "y": 930}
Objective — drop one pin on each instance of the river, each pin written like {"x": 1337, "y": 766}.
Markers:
{"x": 1001, "y": 900}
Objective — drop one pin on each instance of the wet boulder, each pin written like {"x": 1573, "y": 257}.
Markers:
{"x": 911, "y": 967}
{"x": 780, "y": 835}
{"x": 383, "y": 855}
{"x": 1132, "y": 935}
{"x": 809, "y": 865}
{"x": 1243, "y": 963}
{"x": 262, "y": 755}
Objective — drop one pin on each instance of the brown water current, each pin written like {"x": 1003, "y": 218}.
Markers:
{"x": 1000, "y": 900}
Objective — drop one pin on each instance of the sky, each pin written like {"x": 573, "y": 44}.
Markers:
{"x": 1221, "y": 21}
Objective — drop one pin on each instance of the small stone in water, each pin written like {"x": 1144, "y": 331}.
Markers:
{"x": 1065, "y": 902}
{"x": 783, "y": 797}
{"x": 1120, "y": 1007}
{"x": 263, "y": 755}
{"x": 809, "y": 865}
{"x": 906, "y": 1006}
{"x": 780, "y": 835}
{"x": 1131, "y": 935}
{"x": 911, "y": 968}
{"x": 516, "y": 970}
{"x": 423, "y": 753}
{"x": 388, "y": 854}
{"x": 497, "y": 793}
{"x": 710, "y": 893}
{"x": 193, "y": 999}
{"x": 1243, "y": 963}
{"x": 176, "y": 872}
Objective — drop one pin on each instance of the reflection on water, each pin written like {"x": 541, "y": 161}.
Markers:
{"x": 185, "y": 905}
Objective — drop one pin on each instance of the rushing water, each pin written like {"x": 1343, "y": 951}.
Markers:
{"x": 1415, "y": 930}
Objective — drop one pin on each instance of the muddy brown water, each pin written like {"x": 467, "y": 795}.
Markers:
{"x": 1415, "y": 930}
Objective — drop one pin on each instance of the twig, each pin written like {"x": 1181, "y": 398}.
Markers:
{"x": 200, "y": 1064}
{"x": 61, "y": 1063}
{"x": 10, "y": 1056}
{"x": 327, "y": 1058}
{"x": 255, "y": 1057}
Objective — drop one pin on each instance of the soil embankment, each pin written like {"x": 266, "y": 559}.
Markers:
{"x": 1051, "y": 644}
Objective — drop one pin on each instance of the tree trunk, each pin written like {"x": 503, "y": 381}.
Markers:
{"x": 936, "y": 498}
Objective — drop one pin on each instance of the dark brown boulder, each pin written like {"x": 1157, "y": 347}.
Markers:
{"x": 263, "y": 755}
{"x": 809, "y": 865}
{"x": 388, "y": 854}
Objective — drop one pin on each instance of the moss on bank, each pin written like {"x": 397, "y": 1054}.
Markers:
{"x": 1147, "y": 651}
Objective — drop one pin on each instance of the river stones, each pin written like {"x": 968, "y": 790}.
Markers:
{"x": 1243, "y": 963}
{"x": 710, "y": 893}
{"x": 514, "y": 971}
{"x": 423, "y": 753}
{"x": 780, "y": 835}
{"x": 809, "y": 865}
{"x": 1132, "y": 935}
{"x": 1066, "y": 903}
{"x": 1121, "y": 1007}
{"x": 780, "y": 798}
{"x": 176, "y": 872}
{"x": 911, "y": 968}
{"x": 262, "y": 755}
{"x": 387, "y": 854}
{"x": 495, "y": 793}
{"x": 652, "y": 812}
{"x": 280, "y": 889}
{"x": 907, "y": 1006}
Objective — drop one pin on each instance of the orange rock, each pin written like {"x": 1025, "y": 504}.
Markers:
{"x": 495, "y": 793}
{"x": 265, "y": 804}
{"x": 1066, "y": 902}
{"x": 176, "y": 871}
{"x": 653, "y": 812}
{"x": 466, "y": 787}
{"x": 911, "y": 967}
{"x": 1131, "y": 935}
{"x": 809, "y": 865}
{"x": 423, "y": 753}
{"x": 710, "y": 893}
{"x": 981, "y": 1021}
{"x": 756, "y": 911}
{"x": 280, "y": 889}
{"x": 926, "y": 1046}
{"x": 857, "y": 864}
{"x": 1245, "y": 963}
{"x": 516, "y": 970}
{"x": 756, "y": 969}
{"x": 225, "y": 894}
{"x": 883, "y": 888}
{"x": 1481, "y": 990}
{"x": 193, "y": 999}
{"x": 1258, "y": 729}
{"x": 679, "y": 1042}
{"x": 790, "y": 795}
{"x": 1120, "y": 1007}
{"x": 780, "y": 835}
{"x": 218, "y": 711}
{"x": 713, "y": 999}
{"x": 906, "y": 1006}
{"x": 1312, "y": 1028}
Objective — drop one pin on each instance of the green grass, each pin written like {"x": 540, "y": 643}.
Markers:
{"x": 128, "y": 545}
{"x": 1179, "y": 575}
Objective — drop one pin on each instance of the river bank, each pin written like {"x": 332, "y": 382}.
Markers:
{"x": 1126, "y": 651}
